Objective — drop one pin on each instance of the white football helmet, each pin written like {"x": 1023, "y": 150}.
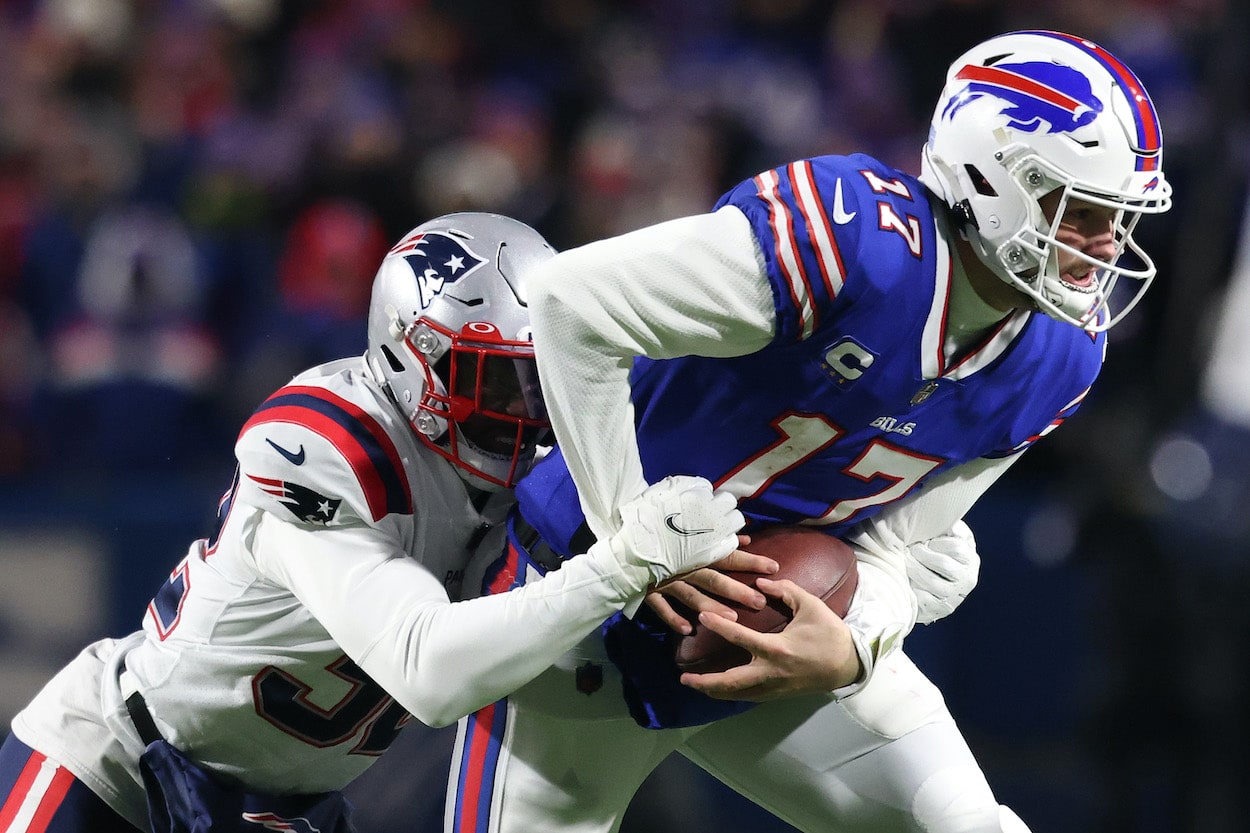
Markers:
{"x": 1024, "y": 114}
{"x": 450, "y": 340}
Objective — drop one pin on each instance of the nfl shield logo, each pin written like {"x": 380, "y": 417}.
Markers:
{"x": 924, "y": 393}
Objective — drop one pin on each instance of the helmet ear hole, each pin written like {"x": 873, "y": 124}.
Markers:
{"x": 396, "y": 365}
{"x": 980, "y": 182}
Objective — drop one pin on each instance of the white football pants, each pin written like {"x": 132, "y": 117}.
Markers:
{"x": 889, "y": 758}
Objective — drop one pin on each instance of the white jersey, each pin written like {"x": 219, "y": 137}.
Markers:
{"x": 287, "y": 650}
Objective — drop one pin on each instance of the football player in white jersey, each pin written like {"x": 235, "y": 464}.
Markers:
{"x": 833, "y": 336}
{"x": 286, "y": 650}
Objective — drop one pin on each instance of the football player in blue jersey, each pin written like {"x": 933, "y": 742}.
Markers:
{"x": 839, "y": 344}
{"x": 287, "y": 649}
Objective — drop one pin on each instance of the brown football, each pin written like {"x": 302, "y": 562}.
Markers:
{"x": 814, "y": 560}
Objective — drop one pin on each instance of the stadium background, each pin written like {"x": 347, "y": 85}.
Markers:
{"x": 194, "y": 194}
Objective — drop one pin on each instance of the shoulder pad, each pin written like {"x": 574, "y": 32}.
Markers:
{"x": 322, "y": 458}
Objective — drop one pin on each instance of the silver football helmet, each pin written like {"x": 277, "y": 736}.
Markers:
{"x": 449, "y": 338}
{"x": 1024, "y": 114}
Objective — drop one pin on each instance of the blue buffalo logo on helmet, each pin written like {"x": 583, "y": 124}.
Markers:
{"x": 1035, "y": 92}
{"x": 437, "y": 259}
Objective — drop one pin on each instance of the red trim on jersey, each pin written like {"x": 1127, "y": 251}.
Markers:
{"x": 822, "y": 218}
{"x": 783, "y": 438}
{"x": 768, "y": 187}
{"x": 357, "y": 456}
{"x": 183, "y": 569}
{"x": 507, "y": 575}
{"x": 792, "y": 172}
{"x": 985, "y": 342}
{"x": 18, "y": 794}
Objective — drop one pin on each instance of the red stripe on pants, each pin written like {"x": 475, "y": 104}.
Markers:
{"x": 469, "y": 804}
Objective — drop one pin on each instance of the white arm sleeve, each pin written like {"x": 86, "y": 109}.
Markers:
{"x": 693, "y": 286}
{"x": 440, "y": 660}
{"x": 884, "y": 608}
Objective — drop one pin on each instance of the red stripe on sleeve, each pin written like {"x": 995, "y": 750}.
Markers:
{"x": 341, "y": 439}
{"x": 769, "y": 189}
{"x": 820, "y": 220}
{"x": 51, "y": 801}
{"x": 18, "y": 794}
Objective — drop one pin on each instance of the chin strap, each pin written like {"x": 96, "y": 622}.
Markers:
{"x": 964, "y": 218}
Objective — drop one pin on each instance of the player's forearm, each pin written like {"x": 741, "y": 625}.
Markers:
{"x": 441, "y": 660}
{"x": 689, "y": 286}
{"x": 883, "y": 610}
{"x": 460, "y": 657}
{"x": 455, "y": 658}
{"x": 586, "y": 388}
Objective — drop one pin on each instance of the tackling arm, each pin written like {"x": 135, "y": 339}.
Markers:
{"x": 693, "y": 286}
{"x": 443, "y": 660}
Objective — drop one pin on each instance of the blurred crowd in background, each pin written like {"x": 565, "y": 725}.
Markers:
{"x": 194, "y": 195}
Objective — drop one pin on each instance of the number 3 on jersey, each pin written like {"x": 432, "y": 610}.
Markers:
{"x": 802, "y": 436}
{"x": 166, "y": 606}
{"x": 365, "y": 711}
{"x": 286, "y": 702}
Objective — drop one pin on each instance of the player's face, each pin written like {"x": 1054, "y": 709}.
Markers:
{"x": 1085, "y": 227}
{"x": 499, "y": 386}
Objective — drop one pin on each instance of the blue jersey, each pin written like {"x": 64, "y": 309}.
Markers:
{"x": 854, "y": 404}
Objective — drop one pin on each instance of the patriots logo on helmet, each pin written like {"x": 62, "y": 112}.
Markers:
{"x": 437, "y": 258}
{"x": 304, "y": 503}
{"x": 1037, "y": 93}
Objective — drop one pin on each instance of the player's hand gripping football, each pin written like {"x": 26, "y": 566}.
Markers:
{"x": 677, "y": 525}
{"x": 706, "y": 589}
{"x": 813, "y": 653}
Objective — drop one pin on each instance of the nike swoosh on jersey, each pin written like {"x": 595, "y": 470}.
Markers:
{"x": 840, "y": 215}
{"x": 671, "y": 523}
{"x": 356, "y": 435}
{"x": 296, "y": 457}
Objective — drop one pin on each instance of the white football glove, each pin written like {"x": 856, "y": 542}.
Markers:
{"x": 942, "y": 572}
{"x": 677, "y": 525}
